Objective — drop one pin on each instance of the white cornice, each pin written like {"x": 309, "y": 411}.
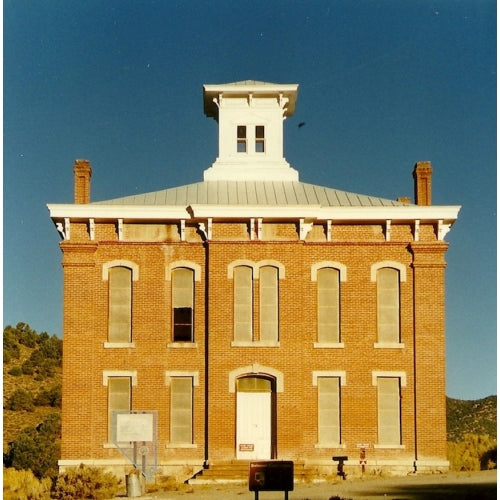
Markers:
{"x": 396, "y": 212}
{"x": 127, "y": 212}
{"x": 445, "y": 213}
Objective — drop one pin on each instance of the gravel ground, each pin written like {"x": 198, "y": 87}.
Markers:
{"x": 459, "y": 486}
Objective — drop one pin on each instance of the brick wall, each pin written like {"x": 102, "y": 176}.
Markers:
{"x": 357, "y": 247}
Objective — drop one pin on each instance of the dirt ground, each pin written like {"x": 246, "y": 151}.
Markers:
{"x": 460, "y": 486}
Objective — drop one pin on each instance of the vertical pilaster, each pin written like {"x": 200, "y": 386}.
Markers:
{"x": 429, "y": 349}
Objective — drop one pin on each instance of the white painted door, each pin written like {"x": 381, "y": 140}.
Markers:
{"x": 253, "y": 425}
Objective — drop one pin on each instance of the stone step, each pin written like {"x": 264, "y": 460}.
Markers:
{"x": 236, "y": 472}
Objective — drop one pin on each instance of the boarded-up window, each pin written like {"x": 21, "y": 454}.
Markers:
{"x": 243, "y": 303}
{"x": 120, "y": 304}
{"x": 181, "y": 410}
{"x": 328, "y": 305}
{"x": 329, "y": 410}
{"x": 182, "y": 304}
{"x": 389, "y": 410}
{"x": 269, "y": 304}
{"x": 119, "y": 398}
{"x": 388, "y": 305}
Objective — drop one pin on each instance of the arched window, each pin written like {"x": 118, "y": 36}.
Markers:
{"x": 182, "y": 304}
{"x": 328, "y": 291}
{"x": 388, "y": 305}
{"x": 389, "y": 411}
{"x": 269, "y": 325}
{"x": 259, "y": 303}
{"x": 243, "y": 303}
{"x": 120, "y": 304}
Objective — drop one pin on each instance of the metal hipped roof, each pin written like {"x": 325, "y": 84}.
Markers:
{"x": 269, "y": 193}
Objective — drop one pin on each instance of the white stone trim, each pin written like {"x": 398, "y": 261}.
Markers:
{"x": 102, "y": 462}
{"x": 272, "y": 263}
{"x": 169, "y": 375}
{"x": 182, "y": 263}
{"x": 376, "y": 374}
{"x": 238, "y": 263}
{"x": 67, "y": 228}
{"x": 328, "y": 345}
{"x": 388, "y": 263}
{"x": 118, "y": 345}
{"x": 329, "y": 373}
{"x": 328, "y": 263}
{"x": 182, "y": 345}
{"x": 388, "y": 345}
{"x": 106, "y": 374}
{"x": 388, "y": 230}
{"x": 255, "y": 343}
{"x": 256, "y": 369}
{"x": 333, "y": 446}
{"x": 120, "y": 263}
{"x": 416, "y": 234}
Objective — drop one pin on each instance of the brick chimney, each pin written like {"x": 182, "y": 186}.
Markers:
{"x": 422, "y": 174}
{"x": 83, "y": 173}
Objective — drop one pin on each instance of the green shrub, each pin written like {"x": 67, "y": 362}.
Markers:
{"x": 10, "y": 345}
{"x": 15, "y": 371}
{"x": 27, "y": 367}
{"x": 26, "y": 335}
{"x": 51, "y": 397}
{"x": 23, "y": 485}
{"x": 86, "y": 482}
{"x": 37, "y": 448}
{"x": 20, "y": 400}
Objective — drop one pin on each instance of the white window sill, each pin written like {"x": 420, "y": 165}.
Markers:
{"x": 329, "y": 345}
{"x": 330, "y": 445}
{"x": 260, "y": 343}
{"x": 389, "y": 446}
{"x": 180, "y": 345}
{"x": 181, "y": 445}
{"x": 388, "y": 345}
{"x": 121, "y": 445}
{"x": 118, "y": 345}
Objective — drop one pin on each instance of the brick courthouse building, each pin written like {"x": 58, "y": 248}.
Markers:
{"x": 259, "y": 317}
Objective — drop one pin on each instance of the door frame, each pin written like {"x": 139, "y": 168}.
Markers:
{"x": 273, "y": 410}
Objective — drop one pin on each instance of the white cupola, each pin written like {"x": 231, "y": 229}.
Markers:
{"x": 250, "y": 115}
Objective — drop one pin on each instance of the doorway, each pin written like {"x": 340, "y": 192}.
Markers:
{"x": 255, "y": 417}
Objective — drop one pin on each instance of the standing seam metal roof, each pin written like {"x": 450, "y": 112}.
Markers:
{"x": 269, "y": 193}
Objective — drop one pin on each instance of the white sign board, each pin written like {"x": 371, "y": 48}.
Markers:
{"x": 134, "y": 427}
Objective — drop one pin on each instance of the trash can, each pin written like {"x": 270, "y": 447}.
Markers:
{"x": 133, "y": 485}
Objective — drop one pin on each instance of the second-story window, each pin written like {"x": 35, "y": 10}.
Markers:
{"x": 182, "y": 302}
{"x": 241, "y": 141}
{"x": 260, "y": 145}
{"x": 388, "y": 304}
{"x": 120, "y": 304}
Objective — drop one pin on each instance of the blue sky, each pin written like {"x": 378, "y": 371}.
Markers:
{"x": 383, "y": 84}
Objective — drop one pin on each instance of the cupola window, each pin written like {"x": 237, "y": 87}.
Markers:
{"x": 259, "y": 139}
{"x": 241, "y": 144}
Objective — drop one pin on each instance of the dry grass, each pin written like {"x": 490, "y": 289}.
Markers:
{"x": 168, "y": 483}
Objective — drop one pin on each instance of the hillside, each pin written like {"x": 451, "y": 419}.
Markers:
{"x": 31, "y": 379}
{"x": 471, "y": 417}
